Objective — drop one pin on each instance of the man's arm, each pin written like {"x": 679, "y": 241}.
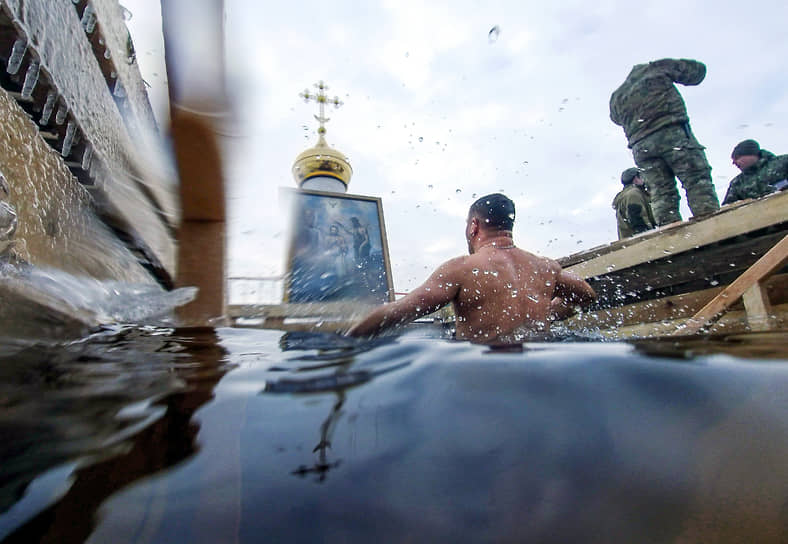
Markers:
{"x": 684, "y": 71}
{"x": 636, "y": 218}
{"x": 571, "y": 290}
{"x": 732, "y": 195}
{"x": 439, "y": 289}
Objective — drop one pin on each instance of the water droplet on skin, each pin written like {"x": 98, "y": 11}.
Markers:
{"x": 492, "y": 35}
{"x": 475, "y": 272}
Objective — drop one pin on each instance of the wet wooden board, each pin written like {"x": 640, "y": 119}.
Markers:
{"x": 668, "y": 308}
{"x": 674, "y": 239}
{"x": 732, "y": 322}
{"x": 689, "y": 271}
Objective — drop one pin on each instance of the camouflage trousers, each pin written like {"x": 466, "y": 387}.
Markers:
{"x": 671, "y": 153}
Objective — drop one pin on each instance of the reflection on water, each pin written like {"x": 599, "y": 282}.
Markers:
{"x": 239, "y": 435}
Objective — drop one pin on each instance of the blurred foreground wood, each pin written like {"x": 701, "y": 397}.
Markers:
{"x": 194, "y": 44}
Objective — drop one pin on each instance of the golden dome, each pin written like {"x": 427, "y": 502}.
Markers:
{"x": 321, "y": 160}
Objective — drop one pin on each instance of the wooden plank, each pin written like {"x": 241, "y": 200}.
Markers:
{"x": 315, "y": 309}
{"x": 668, "y": 308}
{"x": 194, "y": 120}
{"x": 756, "y": 303}
{"x": 732, "y": 322}
{"x": 721, "y": 262}
{"x": 765, "y": 266}
{"x": 755, "y": 215}
{"x": 661, "y": 309}
{"x": 599, "y": 251}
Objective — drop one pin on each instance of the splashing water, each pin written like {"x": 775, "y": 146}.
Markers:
{"x": 36, "y": 302}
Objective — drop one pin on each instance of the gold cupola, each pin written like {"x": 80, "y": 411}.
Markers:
{"x": 321, "y": 167}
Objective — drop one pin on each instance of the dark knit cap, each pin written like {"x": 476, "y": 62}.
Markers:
{"x": 629, "y": 174}
{"x": 747, "y": 147}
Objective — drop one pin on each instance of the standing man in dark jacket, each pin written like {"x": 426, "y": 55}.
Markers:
{"x": 650, "y": 109}
{"x": 632, "y": 205}
{"x": 762, "y": 172}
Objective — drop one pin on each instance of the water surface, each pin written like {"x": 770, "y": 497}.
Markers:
{"x": 241, "y": 435}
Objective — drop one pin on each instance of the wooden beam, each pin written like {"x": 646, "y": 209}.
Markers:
{"x": 756, "y": 302}
{"x": 196, "y": 112}
{"x": 732, "y": 322}
{"x": 671, "y": 240}
{"x": 764, "y": 267}
{"x": 690, "y": 271}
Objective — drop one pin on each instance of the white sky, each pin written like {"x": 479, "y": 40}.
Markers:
{"x": 436, "y": 111}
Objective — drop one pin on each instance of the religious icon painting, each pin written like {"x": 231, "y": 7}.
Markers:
{"x": 338, "y": 249}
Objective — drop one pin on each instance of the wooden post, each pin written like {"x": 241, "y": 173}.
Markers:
{"x": 194, "y": 44}
{"x": 756, "y": 303}
{"x": 749, "y": 280}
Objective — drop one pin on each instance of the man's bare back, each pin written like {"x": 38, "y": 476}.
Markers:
{"x": 503, "y": 291}
{"x": 497, "y": 291}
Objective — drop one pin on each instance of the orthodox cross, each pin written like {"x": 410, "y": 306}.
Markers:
{"x": 322, "y": 99}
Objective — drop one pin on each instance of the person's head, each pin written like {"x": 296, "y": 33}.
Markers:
{"x": 333, "y": 229}
{"x": 746, "y": 153}
{"x": 355, "y": 222}
{"x": 632, "y": 176}
{"x": 490, "y": 215}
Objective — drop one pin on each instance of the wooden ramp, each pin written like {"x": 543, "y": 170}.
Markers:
{"x": 749, "y": 286}
{"x": 652, "y": 284}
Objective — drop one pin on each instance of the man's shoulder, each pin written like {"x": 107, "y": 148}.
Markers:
{"x": 455, "y": 264}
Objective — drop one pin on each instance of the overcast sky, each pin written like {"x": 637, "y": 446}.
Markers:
{"x": 438, "y": 109}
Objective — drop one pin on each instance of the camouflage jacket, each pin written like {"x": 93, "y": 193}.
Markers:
{"x": 648, "y": 100}
{"x": 759, "y": 179}
{"x": 633, "y": 211}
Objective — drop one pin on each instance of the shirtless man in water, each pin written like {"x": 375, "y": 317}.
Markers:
{"x": 497, "y": 291}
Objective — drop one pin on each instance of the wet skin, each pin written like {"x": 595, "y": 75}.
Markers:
{"x": 497, "y": 291}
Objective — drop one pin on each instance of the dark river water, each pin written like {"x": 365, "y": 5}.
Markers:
{"x": 238, "y": 435}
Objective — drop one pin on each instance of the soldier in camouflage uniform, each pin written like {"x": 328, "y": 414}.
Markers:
{"x": 650, "y": 109}
{"x": 632, "y": 205}
{"x": 762, "y": 172}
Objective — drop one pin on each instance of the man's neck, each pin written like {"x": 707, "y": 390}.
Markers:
{"x": 500, "y": 241}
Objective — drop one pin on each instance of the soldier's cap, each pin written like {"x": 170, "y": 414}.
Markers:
{"x": 629, "y": 174}
{"x": 747, "y": 147}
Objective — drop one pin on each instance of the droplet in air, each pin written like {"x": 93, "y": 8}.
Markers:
{"x": 421, "y": 138}
{"x": 458, "y": 191}
{"x": 492, "y": 35}
{"x": 429, "y": 186}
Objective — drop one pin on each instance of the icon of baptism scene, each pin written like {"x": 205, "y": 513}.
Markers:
{"x": 338, "y": 250}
